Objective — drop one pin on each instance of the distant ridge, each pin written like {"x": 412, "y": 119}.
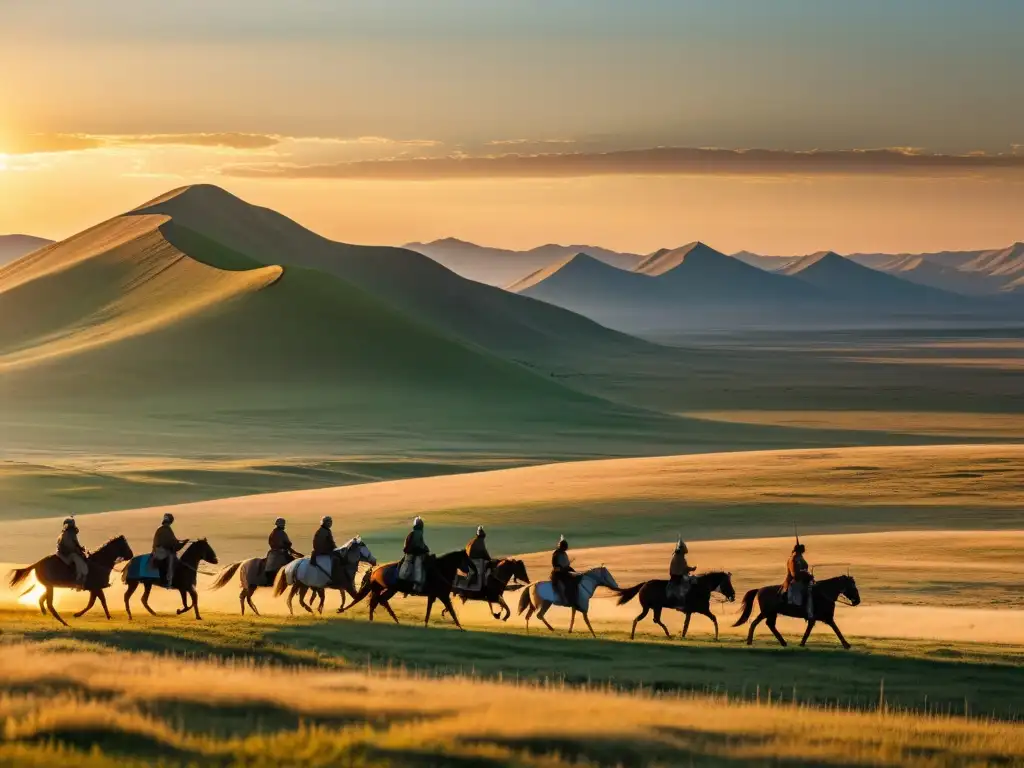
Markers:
{"x": 15, "y": 246}
{"x": 838, "y": 276}
{"x": 501, "y": 266}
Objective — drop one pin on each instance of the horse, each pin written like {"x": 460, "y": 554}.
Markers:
{"x": 771, "y": 604}
{"x": 301, "y": 575}
{"x": 653, "y": 596}
{"x": 540, "y": 596}
{"x": 184, "y": 581}
{"x": 252, "y": 574}
{"x": 501, "y": 573}
{"x": 440, "y": 573}
{"x": 52, "y": 572}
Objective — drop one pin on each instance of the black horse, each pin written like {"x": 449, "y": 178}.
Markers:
{"x": 184, "y": 578}
{"x": 771, "y": 603}
{"x": 654, "y": 597}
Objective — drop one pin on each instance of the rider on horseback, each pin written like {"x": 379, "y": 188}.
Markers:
{"x": 165, "y": 549}
{"x": 477, "y": 551}
{"x": 799, "y": 582}
{"x": 322, "y": 556}
{"x": 679, "y": 572}
{"x": 563, "y": 575}
{"x": 415, "y": 551}
{"x": 71, "y": 552}
{"x": 281, "y": 552}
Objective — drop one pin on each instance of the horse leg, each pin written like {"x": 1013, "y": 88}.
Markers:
{"x": 184, "y": 601}
{"x": 540, "y": 614}
{"x": 92, "y": 601}
{"x": 288, "y": 600}
{"x": 587, "y": 620}
{"x": 753, "y": 626}
{"x": 102, "y": 602}
{"x": 770, "y": 621}
{"x": 504, "y": 605}
{"x": 132, "y": 586}
{"x": 42, "y": 603}
{"x": 658, "y": 621}
{"x": 637, "y": 620}
{"x": 572, "y": 619}
{"x": 241, "y": 599}
{"x": 839, "y": 634}
{"x": 49, "y": 605}
{"x": 195, "y": 601}
{"x": 146, "y": 589}
{"x": 430, "y": 604}
{"x": 322, "y": 594}
{"x": 447, "y": 602}
{"x": 387, "y": 607}
{"x": 807, "y": 633}
{"x": 341, "y": 608}
{"x": 248, "y": 599}
{"x": 302, "y": 599}
{"x": 714, "y": 621}
{"x": 686, "y": 624}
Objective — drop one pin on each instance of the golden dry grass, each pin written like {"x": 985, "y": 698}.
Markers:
{"x": 949, "y": 424}
{"x": 130, "y": 707}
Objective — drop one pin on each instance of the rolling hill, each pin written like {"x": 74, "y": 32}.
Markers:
{"x": 838, "y": 276}
{"x": 15, "y": 246}
{"x": 504, "y": 323}
{"x": 501, "y": 266}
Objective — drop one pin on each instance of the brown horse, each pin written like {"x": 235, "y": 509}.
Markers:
{"x": 771, "y": 603}
{"x": 184, "y": 581}
{"x": 654, "y": 596}
{"x": 52, "y": 572}
{"x": 501, "y": 572}
{"x": 440, "y": 573}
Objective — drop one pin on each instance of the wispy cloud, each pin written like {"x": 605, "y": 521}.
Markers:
{"x": 47, "y": 143}
{"x": 653, "y": 161}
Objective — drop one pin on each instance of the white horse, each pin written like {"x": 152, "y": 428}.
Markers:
{"x": 301, "y": 574}
{"x": 541, "y": 595}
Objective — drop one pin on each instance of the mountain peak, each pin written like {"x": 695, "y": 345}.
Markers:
{"x": 663, "y": 261}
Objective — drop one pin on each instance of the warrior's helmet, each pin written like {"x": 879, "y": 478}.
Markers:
{"x": 681, "y": 545}
{"x": 326, "y": 521}
{"x": 417, "y": 522}
{"x": 279, "y": 523}
{"x": 480, "y": 531}
{"x": 562, "y": 543}
{"x": 168, "y": 518}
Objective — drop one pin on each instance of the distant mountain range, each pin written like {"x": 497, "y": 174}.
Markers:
{"x": 15, "y": 246}
{"x": 501, "y": 267}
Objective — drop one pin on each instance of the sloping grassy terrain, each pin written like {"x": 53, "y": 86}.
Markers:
{"x": 404, "y": 696}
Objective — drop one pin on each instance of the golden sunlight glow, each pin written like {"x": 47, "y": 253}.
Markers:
{"x": 3, "y": 162}
{"x": 34, "y": 593}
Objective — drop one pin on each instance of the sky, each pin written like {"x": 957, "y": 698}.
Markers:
{"x": 781, "y": 127}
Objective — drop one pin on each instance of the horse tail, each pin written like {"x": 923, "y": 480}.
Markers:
{"x": 280, "y": 583}
{"x": 524, "y": 601}
{"x": 364, "y": 590}
{"x": 629, "y": 593}
{"x": 225, "y": 575}
{"x": 748, "y": 606}
{"x": 18, "y": 575}
{"x": 514, "y": 587}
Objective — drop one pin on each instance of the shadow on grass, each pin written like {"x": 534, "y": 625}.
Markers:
{"x": 814, "y": 675}
{"x": 115, "y": 742}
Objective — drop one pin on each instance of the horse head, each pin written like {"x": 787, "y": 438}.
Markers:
{"x": 848, "y": 588}
{"x": 724, "y": 585}
{"x": 365, "y": 555}
{"x": 202, "y": 550}
{"x": 117, "y": 547}
{"x": 603, "y": 577}
{"x": 519, "y": 571}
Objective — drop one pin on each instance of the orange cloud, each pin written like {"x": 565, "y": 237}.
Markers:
{"x": 658, "y": 161}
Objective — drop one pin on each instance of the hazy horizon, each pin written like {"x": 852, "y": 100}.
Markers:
{"x": 785, "y": 129}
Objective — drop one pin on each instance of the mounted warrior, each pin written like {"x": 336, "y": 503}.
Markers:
{"x": 415, "y": 551}
{"x": 563, "y": 575}
{"x": 165, "y": 549}
{"x": 72, "y": 553}
{"x": 322, "y": 556}
{"x": 476, "y": 548}
{"x": 281, "y": 552}
{"x": 798, "y": 586}
{"x": 679, "y": 573}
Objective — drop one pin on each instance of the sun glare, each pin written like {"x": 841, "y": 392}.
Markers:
{"x": 32, "y": 596}
{"x": 3, "y": 162}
